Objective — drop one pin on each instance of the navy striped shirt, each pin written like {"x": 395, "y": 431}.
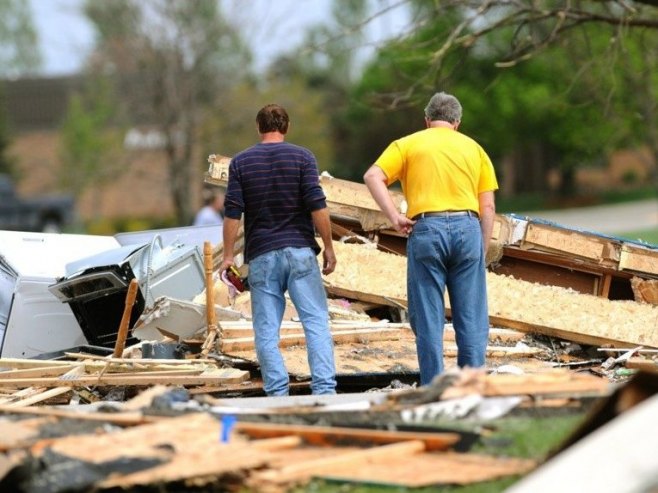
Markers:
{"x": 276, "y": 186}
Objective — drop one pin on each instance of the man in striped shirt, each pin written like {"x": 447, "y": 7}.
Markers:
{"x": 276, "y": 185}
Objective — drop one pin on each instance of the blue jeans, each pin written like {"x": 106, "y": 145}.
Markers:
{"x": 270, "y": 275}
{"x": 447, "y": 252}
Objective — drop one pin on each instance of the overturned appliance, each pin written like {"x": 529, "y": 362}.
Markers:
{"x": 95, "y": 287}
{"x": 32, "y": 320}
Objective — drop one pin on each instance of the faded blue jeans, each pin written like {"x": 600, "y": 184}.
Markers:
{"x": 447, "y": 252}
{"x": 270, "y": 275}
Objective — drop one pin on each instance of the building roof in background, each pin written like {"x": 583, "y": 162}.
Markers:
{"x": 38, "y": 103}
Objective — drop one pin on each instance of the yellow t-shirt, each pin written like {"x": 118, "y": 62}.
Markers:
{"x": 440, "y": 169}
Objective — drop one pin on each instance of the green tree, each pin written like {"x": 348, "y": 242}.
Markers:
{"x": 560, "y": 108}
{"x": 19, "y": 55}
{"x": 91, "y": 139}
{"x": 170, "y": 59}
{"x": 19, "y": 42}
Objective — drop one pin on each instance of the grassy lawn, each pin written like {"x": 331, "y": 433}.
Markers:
{"x": 521, "y": 436}
{"x": 647, "y": 236}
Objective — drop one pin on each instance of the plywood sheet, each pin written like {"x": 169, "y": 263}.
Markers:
{"x": 562, "y": 240}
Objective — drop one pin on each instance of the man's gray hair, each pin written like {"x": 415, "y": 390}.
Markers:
{"x": 444, "y": 107}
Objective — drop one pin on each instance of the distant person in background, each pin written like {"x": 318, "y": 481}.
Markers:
{"x": 212, "y": 212}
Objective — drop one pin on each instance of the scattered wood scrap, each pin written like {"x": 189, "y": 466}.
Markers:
{"x": 203, "y": 450}
{"x": 40, "y": 380}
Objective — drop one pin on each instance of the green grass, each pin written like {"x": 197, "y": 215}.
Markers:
{"x": 647, "y": 236}
{"x": 526, "y": 437}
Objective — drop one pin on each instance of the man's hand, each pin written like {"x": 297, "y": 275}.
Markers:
{"x": 226, "y": 263}
{"x": 403, "y": 224}
{"x": 329, "y": 261}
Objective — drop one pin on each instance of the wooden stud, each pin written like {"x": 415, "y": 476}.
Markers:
{"x": 131, "y": 295}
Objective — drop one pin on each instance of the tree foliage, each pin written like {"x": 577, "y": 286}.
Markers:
{"x": 19, "y": 50}
{"x": 544, "y": 84}
{"x": 91, "y": 139}
{"x": 170, "y": 59}
{"x": 19, "y": 55}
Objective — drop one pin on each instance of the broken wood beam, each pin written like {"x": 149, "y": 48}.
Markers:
{"x": 332, "y": 436}
{"x": 122, "y": 333}
{"x": 217, "y": 377}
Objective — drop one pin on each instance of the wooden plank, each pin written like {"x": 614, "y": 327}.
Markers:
{"x": 228, "y": 375}
{"x": 140, "y": 361}
{"x": 638, "y": 259}
{"x": 563, "y": 333}
{"x": 365, "y": 297}
{"x": 35, "y": 399}
{"x": 549, "y": 383}
{"x": 32, "y": 363}
{"x": 207, "y": 464}
{"x": 245, "y": 329}
{"x": 345, "y": 199}
{"x": 307, "y": 469}
{"x": 570, "y": 242}
{"x": 21, "y": 394}
{"x": 21, "y": 433}
{"x": 44, "y": 371}
{"x": 120, "y": 418}
{"x": 339, "y": 337}
{"x": 424, "y": 470}
{"x": 605, "y": 286}
{"x": 330, "y": 436}
{"x": 644, "y": 364}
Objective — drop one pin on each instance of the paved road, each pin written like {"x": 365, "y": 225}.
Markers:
{"x": 606, "y": 219}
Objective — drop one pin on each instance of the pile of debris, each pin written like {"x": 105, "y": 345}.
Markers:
{"x": 149, "y": 381}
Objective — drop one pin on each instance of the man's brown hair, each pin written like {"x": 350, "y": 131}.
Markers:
{"x": 272, "y": 118}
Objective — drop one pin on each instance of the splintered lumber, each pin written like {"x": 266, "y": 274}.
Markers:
{"x": 122, "y": 333}
{"x": 345, "y": 199}
{"x": 550, "y": 382}
{"x": 645, "y": 290}
{"x": 216, "y": 377}
{"x": 32, "y": 395}
{"x": 40, "y": 397}
{"x": 324, "y": 435}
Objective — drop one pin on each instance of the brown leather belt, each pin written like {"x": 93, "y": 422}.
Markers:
{"x": 445, "y": 214}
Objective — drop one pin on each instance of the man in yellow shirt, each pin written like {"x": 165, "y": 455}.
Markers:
{"x": 448, "y": 182}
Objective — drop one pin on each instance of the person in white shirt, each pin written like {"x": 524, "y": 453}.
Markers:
{"x": 212, "y": 212}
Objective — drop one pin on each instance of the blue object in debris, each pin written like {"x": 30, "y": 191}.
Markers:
{"x": 228, "y": 421}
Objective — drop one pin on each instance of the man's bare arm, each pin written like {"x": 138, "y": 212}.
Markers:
{"x": 230, "y": 234}
{"x": 322, "y": 224}
{"x": 376, "y": 181}
{"x": 487, "y": 214}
